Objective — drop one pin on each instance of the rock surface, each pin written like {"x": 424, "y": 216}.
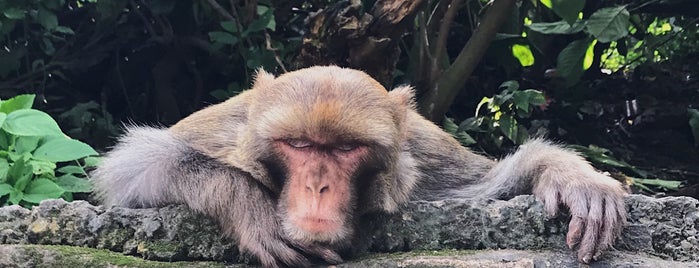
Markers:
{"x": 661, "y": 233}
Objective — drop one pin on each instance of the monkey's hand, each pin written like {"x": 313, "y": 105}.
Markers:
{"x": 595, "y": 201}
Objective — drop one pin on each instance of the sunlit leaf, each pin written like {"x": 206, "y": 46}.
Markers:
{"x": 30, "y": 122}
{"x": 18, "y": 102}
{"x": 609, "y": 24}
{"x": 568, "y": 10}
{"x": 523, "y": 54}
{"x": 61, "y": 150}
{"x": 571, "y": 61}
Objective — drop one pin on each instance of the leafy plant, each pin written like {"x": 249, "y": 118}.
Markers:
{"x": 38, "y": 161}
{"x": 694, "y": 124}
{"x": 503, "y": 111}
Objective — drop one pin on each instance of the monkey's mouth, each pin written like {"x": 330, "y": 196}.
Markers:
{"x": 316, "y": 225}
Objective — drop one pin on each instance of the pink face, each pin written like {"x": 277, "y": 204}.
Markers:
{"x": 318, "y": 187}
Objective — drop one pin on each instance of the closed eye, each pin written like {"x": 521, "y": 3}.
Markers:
{"x": 346, "y": 147}
{"x": 299, "y": 143}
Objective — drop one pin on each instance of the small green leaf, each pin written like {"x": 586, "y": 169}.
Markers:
{"x": 223, "y": 37}
{"x": 558, "y": 27}
{"x": 15, "y": 197}
{"x": 62, "y": 150}
{"x": 5, "y": 189}
{"x": 74, "y": 184}
{"x": 64, "y": 30}
{"x": 4, "y": 169}
{"x": 92, "y": 161}
{"x": 4, "y": 143}
{"x": 609, "y": 24}
{"x": 229, "y": 26}
{"x": 40, "y": 167}
{"x": 521, "y": 100}
{"x": 523, "y": 54}
{"x": 30, "y": 122}
{"x": 47, "y": 19}
{"x": 13, "y": 13}
{"x": 72, "y": 170}
{"x": 666, "y": 184}
{"x": 509, "y": 86}
{"x": 18, "y": 102}
{"x": 508, "y": 126}
{"x": 42, "y": 189}
{"x": 26, "y": 144}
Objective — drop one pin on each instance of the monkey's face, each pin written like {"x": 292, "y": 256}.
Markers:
{"x": 319, "y": 189}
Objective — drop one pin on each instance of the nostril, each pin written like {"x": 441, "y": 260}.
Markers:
{"x": 308, "y": 189}
{"x": 324, "y": 189}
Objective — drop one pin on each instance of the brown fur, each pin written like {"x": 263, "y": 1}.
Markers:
{"x": 289, "y": 166}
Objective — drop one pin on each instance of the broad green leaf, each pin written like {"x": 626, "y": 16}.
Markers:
{"x": 264, "y": 21}
{"x": 47, "y": 19}
{"x": 229, "y": 26}
{"x": 568, "y": 10}
{"x": 18, "y": 102}
{"x": 694, "y": 124}
{"x": 3, "y": 143}
{"x": 62, "y": 150}
{"x": 223, "y": 37}
{"x": 559, "y": 27}
{"x": 5, "y": 189}
{"x": 510, "y": 85}
{"x": 42, "y": 189}
{"x": 74, "y": 184}
{"x": 30, "y": 122}
{"x": 523, "y": 54}
{"x": 20, "y": 173}
{"x": 609, "y": 24}
{"x": 15, "y": 197}
{"x": 13, "y": 13}
{"x": 460, "y": 135}
{"x": 72, "y": 170}
{"x": 521, "y": 100}
{"x": 571, "y": 60}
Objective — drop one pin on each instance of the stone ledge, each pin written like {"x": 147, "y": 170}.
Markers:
{"x": 662, "y": 230}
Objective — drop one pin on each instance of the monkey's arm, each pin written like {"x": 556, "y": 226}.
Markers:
{"x": 553, "y": 174}
{"x": 151, "y": 167}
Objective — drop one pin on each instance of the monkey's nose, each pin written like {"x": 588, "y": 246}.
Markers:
{"x": 321, "y": 188}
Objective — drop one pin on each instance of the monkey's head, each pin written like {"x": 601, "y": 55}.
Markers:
{"x": 328, "y": 139}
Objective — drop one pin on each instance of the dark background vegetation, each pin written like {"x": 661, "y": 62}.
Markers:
{"x": 617, "y": 78}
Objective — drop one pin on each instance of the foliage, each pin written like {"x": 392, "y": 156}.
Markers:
{"x": 37, "y": 161}
{"x": 694, "y": 124}
{"x": 503, "y": 111}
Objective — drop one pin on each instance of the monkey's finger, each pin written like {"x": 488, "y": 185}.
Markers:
{"x": 575, "y": 228}
{"x": 328, "y": 255}
{"x": 609, "y": 226}
{"x": 593, "y": 226}
{"x": 551, "y": 201}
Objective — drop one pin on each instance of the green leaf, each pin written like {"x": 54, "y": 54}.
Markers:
{"x": 20, "y": 173}
{"x": 509, "y": 86}
{"x": 4, "y": 143}
{"x": 64, "y": 30}
{"x": 559, "y": 27}
{"x": 92, "y": 161}
{"x": 40, "y": 167}
{"x": 13, "y": 13}
{"x": 15, "y": 197}
{"x": 26, "y": 144}
{"x": 694, "y": 124}
{"x": 508, "y": 126}
{"x": 4, "y": 169}
{"x": 609, "y": 24}
{"x": 74, "y": 184}
{"x": 523, "y": 54}
{"x": 47, "y": 19}
{"x": 666, "y": 184}
{"x": 42, "y": 189}
{"x": 61, "y": 150}
{"x": 229, "y": 26}
{"x": 223, "y": 37}
{"x": 72, "y": 170}
{"x": 5, "y": 189}
{"x": 571, "y": 60}
{"x": 18, "y": 102}
{"x": 568, "y": 10}
{"x": 460, "y": 135}
{"x": 521, "y": 100}
{"x": 30, "y": 122}
{"x": 265, "y": 21}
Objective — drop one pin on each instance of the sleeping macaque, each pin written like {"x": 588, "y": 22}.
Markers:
{"x": 288, "y": 167}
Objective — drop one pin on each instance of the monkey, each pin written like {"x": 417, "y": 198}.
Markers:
{"x": 288, "y": 168}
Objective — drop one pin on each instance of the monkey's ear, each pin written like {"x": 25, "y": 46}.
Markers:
{"x": 404, "y": 96}
{"x": 262, "y": 78}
